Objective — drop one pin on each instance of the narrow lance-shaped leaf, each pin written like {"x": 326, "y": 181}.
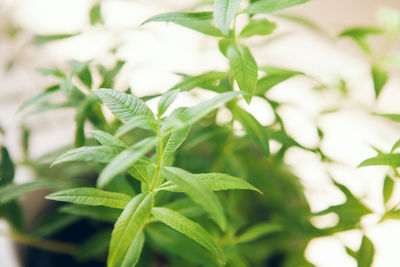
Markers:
{"x": 166, "y": 100}
{"x": 101, "y": 154}
{"x": 200, "y": 21}
{"x": 198, "y": 192}
{"x": 107, "y": 139}
{"x": 92, "y": 197}
{"x": 204, "y": 79}
{"x": 39, "y": 98}
{"x": 253, "y": 128}
{"x": 274, "y": 76}
{"x": 128, "y": 226}
{"x": 244, "y": 69}
{"x": 380, "y": 78}
{"x": 174, "y": 141}
{"x": 42, "y": 39}
{"x": 268, "y": 6}
{"x": 216, "y": 182}
{"x": 95, "y": 14}
{"x": 257, "y": 231}
{"x": 133, "y": 254}
{"x": 94, "y": 246}
{"x": 392, "y": 159}
{"x": 142, "y": 121}
{"x": 12, "y": 191}
{"x": 187, "y": 227}
{"x": 100, "y": 213}
{"x": 224, "y": 13}
{"x": 388, "y": 187}
{"x": 7, "y": 168}
{"x": 365, "y": 255}
{"x": 125, "y": 159}
{"x": 395, "y": 146}
{"x": 258, "y": 27}
{"x": 123, "y": 106}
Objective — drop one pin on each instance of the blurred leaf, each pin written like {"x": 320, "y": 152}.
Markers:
{"x": 395, "y": 146}
{"x": 12, "y": 191}
{"x": 392, "y": 159}
{"x": 12, "y": 212}
{"x": 100, "y": 213}
{"x": 165, "y": 101}
{"x": 95, "y": 14}
{"x": 225, "y": 13}
{"x": 360, "y": 34}
{"x": 81, "y": 69}
{"x": 109, "y": 75}
{"x": 198, "y": 192}
{"x": 39, "y": 98}
{"x": 185, "y": 207}
{"x": 53, "y": 222}
{"x": 380, "y": 77}
{"x": 390, "y": 19}
{"x": 93, "y": 246}
{"x": 53, "y": 72}
{"x": 142, "y": 121}
{"x": 66, "y": 85}
{"x": 365, "y": 255}
{"x": 128, "y": 226}
{"x": 393, "y": 117}
{"x": 200, "y": 21}
{"x": 7, "y": 168}
{"x": 269, "y": 6}
{"x": 43, "y": 39}
{"x": 388, "y": 186}
{"x": 274, "y": 76}
{"x": 258, "y": 27}
{"x": 244, "y": 69}
{"x": 201, "y": 80}
{"x": 107, "y": 139}
{"x": 101, "y": 154}
{"x": 257, "y": 231}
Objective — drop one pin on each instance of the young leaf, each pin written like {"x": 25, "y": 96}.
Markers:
{"x": 365, "y": 255}
{"x": 165, "y": 101}
{"x": 92, "y": 197}
{"x": 52, "y": 72}
{"x": 268, "y": 6}
{"x": 81, "y": 69}
{"x": 12, "y": 191}
{"x": 125, "y": 159}
{"x": 123, "y": 106}
{"x": 42, "y": 39}
{"x": 39, "y": 98}
{"x": 224, "y": 13}
{"x": 253, "y": 128}
{"x": 257, "y": 231}
{"x": 274, "y": 76}
{"x": 244, "y": 69}
{"x": 392, "y": 117}
{"x": 109, "y": 75}
{"x": 258, "y": 27}
{"x": 392, "y": 159}
{"x": 132, "y": 256}
{"x": 99, "y": 213}
{"x": 395, "y": 146}
{"x": 128, "y": 226}
{"x": 95, "y": 14}
{"x": 175, "y": 140}
{"x": 198, "y": 192}
{"x": 388, "y": 186}
{"x": 379, "y": 77}
{"x": 204, "y": 79}
{"x": 101, "y": 154}
{"x": 200, "y": 21}
{"x": 11, "y": 212}
{"x": 143, "y": 122}
{"x": 53, "y": 222}
{"x": 216, "y": 182}
{"x": 7, "y": 168}
{"x": 107, "y": 139}
{"x": 187, "y": 227}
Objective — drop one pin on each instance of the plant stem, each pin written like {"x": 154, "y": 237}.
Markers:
{"x": 49, "y": 245}
{"x": 159, "y": 163}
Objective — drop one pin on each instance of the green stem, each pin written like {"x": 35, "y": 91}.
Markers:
{"x": 159, "y": 163}
{"x": 49, "y": 245}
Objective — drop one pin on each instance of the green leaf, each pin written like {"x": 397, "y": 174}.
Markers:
{"x": 7, "y": 168}
{"x": 198, "y": 192}
{"x": 388, "y": 187}
{"x": 128, "y": 226}
{"x": 200, "y": 21}
{"x": 393, "y": 117}
{"x": 390, "y": 19}
{"x": 257, "y": 231}
{"x": 253, "y": 128}
{"x": 95, "y": 14}
{"x": 101, "y": 154}
{"x": 268, "y": 6}
{"x": 395, "y": 146}
{"x": 365, "y": 255}
{"x": 185, "y": 207}
{"x": 216, "y": 182}
{"x": 380, "y": 77}
{"x": 143, "y": 122}
{"x": 53, "y": 222}
{"x": 42, "y": 39}
{"x": 122, "y": 105}
{"x": 66, "y": 85}
{"x": 244, "y": 69}
{"x": 109, "y": 75}
{"x": 224, "y": 13}
{"x": 99, "y": 213}
{"x": 274, "y": 76}
{"x": 52, "y": 72}
{"x": 392, "y": 159}
{"x": 94, "y": 246}
{"x": 39, "y": 98}
{"x": 174, "y": 141}
{"x": 165, "y": 101}
{"x": 201, "y": 80}
{"x": 189, "y": 228}
{"x": 107, "y": 139}
{"x": 125, "y": 159}
{"x": 91, "y": 197}
{"x": 258, "y": 27}
{"x": 12, "y": 191}
{"x": 81, "y": 69}
{"x": 133, "y": 254}
{"x": 12, "y": 212}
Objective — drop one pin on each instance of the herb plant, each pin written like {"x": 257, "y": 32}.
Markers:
{"x": 174, "y": 187}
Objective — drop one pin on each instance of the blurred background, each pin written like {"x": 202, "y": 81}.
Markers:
{"x": 155, "y": 52}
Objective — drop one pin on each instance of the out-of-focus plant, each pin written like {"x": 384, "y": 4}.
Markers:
{"x": 162, "y": 183}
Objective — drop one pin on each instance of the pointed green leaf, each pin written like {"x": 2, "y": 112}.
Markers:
{"x": 395, "y": 146}
{"x": 388, "y": 187}
{"x": 142, "y": 121}
{"x": 200, "y": 21}
{"x": 132, "y": 256}
{"x": 187, "y": 227}
{"x": 42, "y": 39}
{"x": 95, "y": 14}
{"x": 257, "y": 231}
{"x": 92, "y": 197}
{"x": 12, "y": 213}
{"x": 128, "y": 226}
{"x": 125, "y": 159}
{"x": 380, "y": 77}
{"x": 12, "y": 191}
{"x": 185, "y": 207}
{"x": 123, "y": 106}
{"x": 99, "y": 213}
{"x": 224, "y": 13}
{"x": 365, "y": 255}
{"x": 392, "y": 117}
{"x": 174, "y": 141}
{"x": 392, "y": 159}
{"x": 39, "y": 98}
{"x": 109, "y": 74}
{"x": 166, "y": 100}
{"x": 101, "y": 154}
{"x": 7, "y": 168}
{"x": 268, "y": 6}
{"x": 198, "y": 192}
{"x": 107, "y": 139}
{"x": 274, "y": 76}
{"x": 253, "y": 128}
{"x": 94, "y": 246}
{"x": 244, "y": 69}
{"x": 81, "y": 69}
{"x": 201, "y": 80}
{"x": 258, "y": 27}
{"x": 52, "y": 72}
